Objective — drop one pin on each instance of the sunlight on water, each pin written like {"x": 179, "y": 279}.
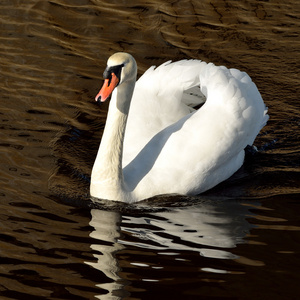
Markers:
{"x": 239, "y": 240}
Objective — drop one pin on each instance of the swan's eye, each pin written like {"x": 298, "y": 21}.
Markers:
{"x": 114, "y": 69}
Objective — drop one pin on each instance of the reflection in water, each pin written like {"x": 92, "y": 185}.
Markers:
{"x": 52, "y": 57}
{"x": 107, "y": 234}
{"x": 212, "y": 229}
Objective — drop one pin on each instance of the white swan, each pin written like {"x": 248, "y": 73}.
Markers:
{"x": 155, "y": 143}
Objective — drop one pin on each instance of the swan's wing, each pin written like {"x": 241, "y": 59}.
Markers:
{"x": 233, "y": 99}
{"x": 172, "y": 87}
{"x": 162, "y": 96}
{"x": 207, "y": 146}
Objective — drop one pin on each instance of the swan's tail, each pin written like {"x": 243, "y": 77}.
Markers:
{"x": 265, "y": 118}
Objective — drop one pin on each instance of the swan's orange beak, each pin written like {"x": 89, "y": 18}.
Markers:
{"x": 107, "y": 88}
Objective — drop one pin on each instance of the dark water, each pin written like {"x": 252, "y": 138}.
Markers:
{"x": 240, "y": 240}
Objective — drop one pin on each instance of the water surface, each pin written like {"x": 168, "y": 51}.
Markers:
{"x": 238, "y": 241}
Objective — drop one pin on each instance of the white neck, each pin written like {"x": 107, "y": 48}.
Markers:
{"x": 107, "y": 180}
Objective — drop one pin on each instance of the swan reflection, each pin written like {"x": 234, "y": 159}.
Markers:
{"x": 107, "y": 233}
{"x": 212, "y": 229}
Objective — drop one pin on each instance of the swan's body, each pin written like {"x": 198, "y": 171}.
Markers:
{"x": 162, "y": 145}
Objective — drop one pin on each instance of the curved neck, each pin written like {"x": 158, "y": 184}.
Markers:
{"x": 107, "y": 174}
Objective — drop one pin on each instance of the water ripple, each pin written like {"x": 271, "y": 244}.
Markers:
{"x": 229, "y": 242}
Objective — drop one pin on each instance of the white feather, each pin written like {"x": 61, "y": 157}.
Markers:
{"x": 171, "y": 148}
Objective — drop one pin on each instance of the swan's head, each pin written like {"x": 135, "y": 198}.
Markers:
{"x": 121, "y": 67}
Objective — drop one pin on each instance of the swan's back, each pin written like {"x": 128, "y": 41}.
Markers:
{"x": 171, "y": 148}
